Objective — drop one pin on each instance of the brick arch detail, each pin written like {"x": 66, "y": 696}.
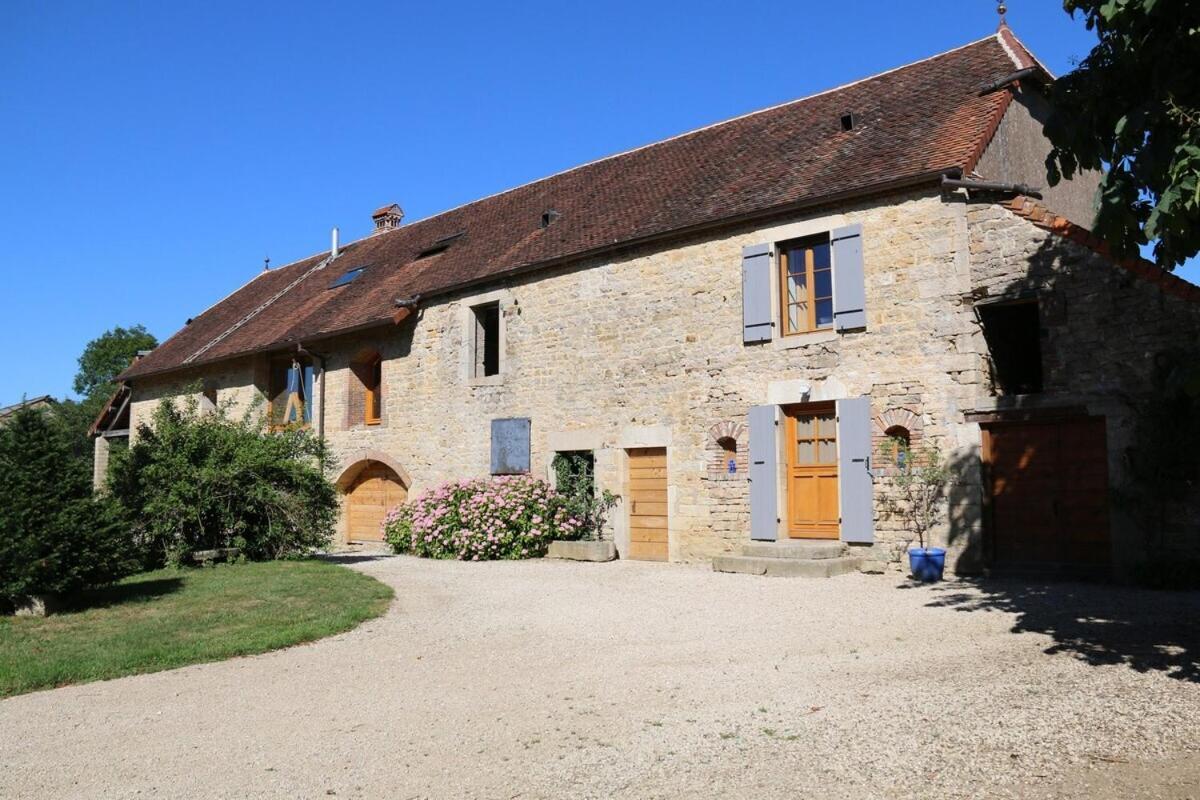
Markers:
{"x": 904, "y": 417}
{"x": 357, "y": 461}
{"x": 716, "y": 457}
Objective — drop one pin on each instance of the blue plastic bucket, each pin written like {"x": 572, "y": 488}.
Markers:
{"x": 927, "y": 564}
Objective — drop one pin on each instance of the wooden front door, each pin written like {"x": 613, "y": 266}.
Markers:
{"x": 1048, "y": 485}
{"x": 812, "y": 483}
{"x": 376, "y": 491}
{"x": 648, "y": 503}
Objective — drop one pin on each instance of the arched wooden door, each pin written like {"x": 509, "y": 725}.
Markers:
{"x": 375, "y": 491}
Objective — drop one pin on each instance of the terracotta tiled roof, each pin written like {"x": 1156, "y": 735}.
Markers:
{"x": 1037, "y": 213}
{"x": 911, "y": 125}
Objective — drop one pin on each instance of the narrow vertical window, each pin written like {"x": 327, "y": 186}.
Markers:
{"x": 487, "y": 340}
{"x": 806, "y": 285}
{"x": 373, "y": 382}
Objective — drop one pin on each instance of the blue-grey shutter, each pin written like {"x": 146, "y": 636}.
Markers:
{"x": 510, "y": 446}
{"x": 756, "y": 294}
{"x": 855, "y": 488}
{"x": 764, "y": 483}
{"x": 849, "y": 285}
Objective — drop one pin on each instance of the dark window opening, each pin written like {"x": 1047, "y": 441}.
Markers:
{"x": 487, "y": 340}
{"x": 575, "y": 473}
{"x": 848, "y": 121}
{"x": 898, "y": 444}
{"x": 208, "y": 398}
{"x": 549, "y": 216}
{"x": 1013, "y": 334}
{"x": 441, "y": 245}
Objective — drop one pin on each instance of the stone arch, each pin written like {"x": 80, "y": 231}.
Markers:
{"x": 359, "y": 460}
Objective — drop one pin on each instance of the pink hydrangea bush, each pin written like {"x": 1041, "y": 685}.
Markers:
{"x": 506, "y": 517}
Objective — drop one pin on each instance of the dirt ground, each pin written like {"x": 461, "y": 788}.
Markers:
{"x": 546, "y": 679}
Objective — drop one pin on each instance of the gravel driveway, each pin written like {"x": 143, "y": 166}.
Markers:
{"x": 547, "y": 679}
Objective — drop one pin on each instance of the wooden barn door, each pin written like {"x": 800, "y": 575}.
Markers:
{"x": 375, "y": 491}
{"x": 1048, "y": 485}
{"x": 648, "y": 503}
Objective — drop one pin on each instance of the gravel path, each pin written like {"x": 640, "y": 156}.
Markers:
{"x": 550, "y": 679}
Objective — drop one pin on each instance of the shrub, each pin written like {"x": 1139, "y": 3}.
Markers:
{"x": 201, "y": 481}
{"x": 479, "y": 520}
{"x": 575, "y": 482}
{"x": 920, "y": 481}
{"x": 55, "y": 537}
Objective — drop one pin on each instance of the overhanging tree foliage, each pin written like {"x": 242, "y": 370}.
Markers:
{"x": 1132, "y": 106}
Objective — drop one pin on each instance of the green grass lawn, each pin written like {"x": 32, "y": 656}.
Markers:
{"x": 169, "y": 618}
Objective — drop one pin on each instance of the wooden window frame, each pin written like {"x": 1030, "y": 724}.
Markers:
{"x": 810, "y": 285}
{"x": 373, "y": 395}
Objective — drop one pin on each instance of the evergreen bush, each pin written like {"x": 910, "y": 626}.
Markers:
{"x": 55, "y": 537}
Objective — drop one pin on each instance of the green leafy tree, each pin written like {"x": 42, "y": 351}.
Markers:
{"x": 103, "y": 358}
{"x": 197, "y": 481}
{"x": 106, "y": 356}
{"x": 55, "y": 537}
{"x": 1132, "y": 106}
{"x": 918, "y": 488}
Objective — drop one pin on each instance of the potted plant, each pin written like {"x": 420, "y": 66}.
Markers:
{"x": 919, "y": 477}
{"x": 583, "y": 509}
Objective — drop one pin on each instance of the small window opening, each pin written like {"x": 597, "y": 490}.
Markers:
{"x": 487, "y": 340}
{"x": 848, "y": 122}
{"x": 728, "y": 447}
{"x": 1012, "y": 331}
{"x": 208, "y": 398}
{"x": 549, "y": 217}
{"x": 899, "y": 442}
{"x": 441, "y": 245}
{"x": 373, "y": 384}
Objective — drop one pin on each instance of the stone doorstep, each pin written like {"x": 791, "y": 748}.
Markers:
{"x": 582, "y": 551}
{"x": 786, "y": 567}
{"x": 795, "y": 549}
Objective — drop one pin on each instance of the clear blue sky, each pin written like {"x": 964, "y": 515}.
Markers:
{"x": 153, "y": 153}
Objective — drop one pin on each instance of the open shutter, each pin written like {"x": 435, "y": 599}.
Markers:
{"x": 764, "y": 483}
{"x": 510, "y": 446}
{"x": 855, "y": 488}
{"x": 308, "y": 393}
{"x": 756, "y": 294}
{"x": 849, "y": 286}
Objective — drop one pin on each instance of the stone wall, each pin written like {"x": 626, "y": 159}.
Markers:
{"x": 646, "y": 348}
{"x": 1102, "y": 330}
{"x": 1017, "y": 154}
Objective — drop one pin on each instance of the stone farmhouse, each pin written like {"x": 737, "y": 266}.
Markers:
{"x": 732, "y": 323}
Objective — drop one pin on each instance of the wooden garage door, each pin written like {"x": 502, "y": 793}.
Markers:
{"x": 1049, "y": 491}
{"x": 648, "y": 503}
{"x": 374, "y": 492}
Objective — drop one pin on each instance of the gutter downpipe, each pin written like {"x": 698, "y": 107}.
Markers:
{"x": 988, "y": 186}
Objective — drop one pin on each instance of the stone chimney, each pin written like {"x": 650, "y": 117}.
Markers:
{"x": 387, "y": 218}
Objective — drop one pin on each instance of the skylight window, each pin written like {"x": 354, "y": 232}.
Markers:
{"x": 348, "y": 276}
